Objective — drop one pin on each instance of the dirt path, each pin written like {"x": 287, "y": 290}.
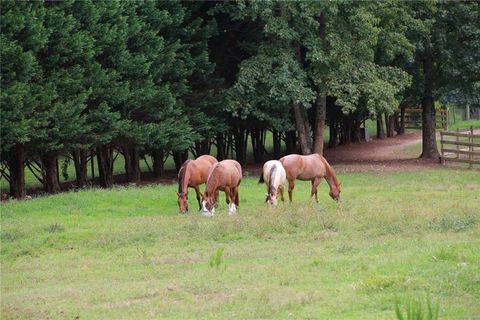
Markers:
{"x": 379, "y": 155}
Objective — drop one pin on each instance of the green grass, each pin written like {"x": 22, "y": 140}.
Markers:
{"x": 414, "y": 150}
{"x": 462, "y": 125}
{"x": 125, "y": 253}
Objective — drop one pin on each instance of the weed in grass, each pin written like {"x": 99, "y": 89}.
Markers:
{"x": 446, "y": 254}
{"x": 453, "y": 223}
{"x": 377, "y": 283}
{"x": 54, "y": 228}
{"x": 216, "y": 258}
{"x": 416, "y": 310}
{"x": 11, "y": 236}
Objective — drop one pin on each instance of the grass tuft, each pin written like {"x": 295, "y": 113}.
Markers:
{"x": 54, "y": 228}
{"x": 216, "y": 258}
{"x": 416, "y": 310}
{"x": 453, "y": 223}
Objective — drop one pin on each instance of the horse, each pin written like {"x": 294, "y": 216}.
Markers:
{"x": 192, "y": 174}
{"x": 274, "y": 176}
{"x": 312, "y": 167}
{"x": 224, "y": 176}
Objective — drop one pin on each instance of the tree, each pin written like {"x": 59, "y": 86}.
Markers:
{"x": 446, "y": 36}
{"x": 23, "y": 36}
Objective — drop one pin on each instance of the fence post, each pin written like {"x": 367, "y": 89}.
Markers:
{"x": 457, "y": 146}
{"x": 442, "y": 157}
{"x": 470, "y": 148}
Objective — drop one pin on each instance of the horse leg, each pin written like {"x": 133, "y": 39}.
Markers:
{"x": 291, "y": 185}
{"x": 280, "y": 189}
{"x": 199, "y": 196}
{"x": 237, "y": 198}
{"x": 315, "y": 183}
{"x": 227, "y": 195}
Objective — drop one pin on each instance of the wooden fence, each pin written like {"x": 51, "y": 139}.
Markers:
{"x": 412, "y": 118}
{"x": 460, "y": 146}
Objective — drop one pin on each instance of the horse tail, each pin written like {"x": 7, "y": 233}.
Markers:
{"x": 273, "y": 170}
{"x": 261, "y": 178}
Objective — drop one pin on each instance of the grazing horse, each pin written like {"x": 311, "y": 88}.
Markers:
{"x": 224, "y": 176}
{"x": 274, "y": 177}
{"x": 313, "y": 167}
{"x": 192, "y": 174}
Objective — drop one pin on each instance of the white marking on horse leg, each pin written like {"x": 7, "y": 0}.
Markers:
{"x": 232, "y": 209}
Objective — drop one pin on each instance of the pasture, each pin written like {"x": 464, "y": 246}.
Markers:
{"x": 126, "y": 253}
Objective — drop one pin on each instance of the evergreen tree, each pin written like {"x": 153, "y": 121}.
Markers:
{"x": 23, "y": 36}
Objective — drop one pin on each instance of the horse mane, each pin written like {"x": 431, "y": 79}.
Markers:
{"x": 330, "y": 172}
{"x": 209, "y": 188}
{"x": 181, "y": 176}
{"x": 273, "y": 170}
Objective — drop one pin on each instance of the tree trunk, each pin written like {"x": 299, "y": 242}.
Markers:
{"x": 333, "y": 141}
{"x": 346, "y": 130}
{"x": 221, "y": 147}
{"x": 127, "y": 155}
{"x": 277, "y": 144}
{"x": 321, "y": 113}
{"x": 80, "y": 162}
{"x": 49, "y": 163}
{"x": 179, "y": 158}
{"x": 16, "y": 165}
{"x": 135, "y": 158}
{"x": 355, "y": 130}
{"x": 257, "y": 145}
{"x": 302, "y": 125}
{"x": 380, "y": 127}
{"x": 158, "y": 168}
{"x": 390, "y": 125}
{"x": 429, "y": 141}
{"x": 240, "y": 145}
{"x": 291, "y": 142}
{"x": 105, "y": 170}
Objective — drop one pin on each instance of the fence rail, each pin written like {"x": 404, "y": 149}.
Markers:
{"x": 412, "y": 118}
{"x": 465, "y": 146}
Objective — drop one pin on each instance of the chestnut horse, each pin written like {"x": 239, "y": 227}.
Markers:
{"x": 312, "y": 167}
{"x": 192, "y": 174}
{"x": 224, "y": 176}
{"x": 274, "y": 177}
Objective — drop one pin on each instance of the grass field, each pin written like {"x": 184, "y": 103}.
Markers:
{"x": 126, "y": 253}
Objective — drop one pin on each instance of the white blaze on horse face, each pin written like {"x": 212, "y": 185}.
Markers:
{"x": 204, "y": 207}
{"x": 273, "y": 199}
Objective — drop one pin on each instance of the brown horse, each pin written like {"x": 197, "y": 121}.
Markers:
{"x": 192, "y": 174}
{"x": 313, "y": 167}
{"x": 224, "y": 176}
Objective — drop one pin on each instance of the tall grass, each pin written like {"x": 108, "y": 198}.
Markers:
{"x": 415, "y": 309}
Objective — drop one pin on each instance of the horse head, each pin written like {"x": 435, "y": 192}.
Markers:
{"x": 335, "y": 192}
{"x": 272, "y": 197}
{"x": 209, "y": 202}
{"x": 182, "y": 202}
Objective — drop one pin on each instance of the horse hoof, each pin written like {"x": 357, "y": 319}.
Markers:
{"x": 207, "y": 214}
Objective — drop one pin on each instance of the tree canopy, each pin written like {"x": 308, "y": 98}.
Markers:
{"x": 86, "y": 80}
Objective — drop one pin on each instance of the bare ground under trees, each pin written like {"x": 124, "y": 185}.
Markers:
{"x": 376, "y": 155}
